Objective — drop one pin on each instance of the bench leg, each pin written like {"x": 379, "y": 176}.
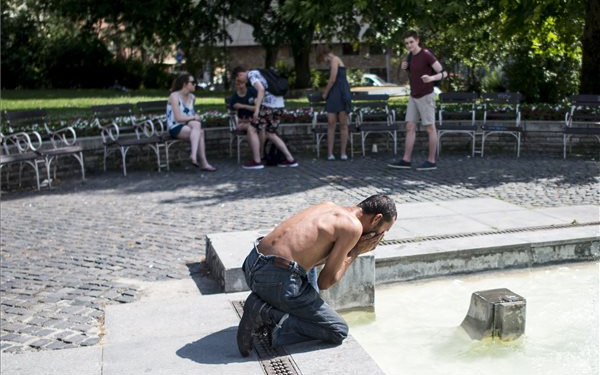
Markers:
{"x": 239, "y": 141}
{"x": 156, "y": 148}
{"x": 124, "y": 159}
{"x": 48, "y": 163}
{"x": 363, "y": 137}
{"x": 105, "y": 156}
{"x": 482, "y": 144}
{"x": 79, "y": 158}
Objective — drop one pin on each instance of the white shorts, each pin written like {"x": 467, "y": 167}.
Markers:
{"x": 422, "y": 109}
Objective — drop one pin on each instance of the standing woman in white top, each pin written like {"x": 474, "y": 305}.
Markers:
{"x": 183, "y": 121}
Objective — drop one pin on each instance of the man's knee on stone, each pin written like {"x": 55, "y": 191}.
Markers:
{"x": 339, "y": 332}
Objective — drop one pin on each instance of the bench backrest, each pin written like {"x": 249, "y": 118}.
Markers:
{"x": 503, "y": 106}
{"x": 457, "y": 98}
{"x": 315, "y": 100}
{"x": 502, "y": 98}
{"x": 584, "y": 109}
{"x": 154, "y": 108}
{"x": 465, "y": 100}
{"x": 588, "y": 100}
{"x": 109, "y": 113}
{"x": 112, "y": 110}
{"x": 24, "y": 121}
{"x": 372, "y": 108}
{"x": 370, "y": 103}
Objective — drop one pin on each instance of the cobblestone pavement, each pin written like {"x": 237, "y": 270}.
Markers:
{"x": 69, "y": 251}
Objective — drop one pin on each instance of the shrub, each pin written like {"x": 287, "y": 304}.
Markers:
{"x": 157, "y": 77}
{"x": 541, "y": 78}
{"x": 80, "y": 61}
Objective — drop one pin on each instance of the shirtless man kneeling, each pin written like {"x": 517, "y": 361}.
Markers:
{"x": 282, "y": 301}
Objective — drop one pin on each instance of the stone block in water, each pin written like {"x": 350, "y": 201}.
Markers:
{"x": 495, "y": 313}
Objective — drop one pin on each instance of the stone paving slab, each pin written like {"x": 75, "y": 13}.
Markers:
{"x": 77, "y": 361}
{"x": 579, "y": 214}
{"x": 196, "y": 334}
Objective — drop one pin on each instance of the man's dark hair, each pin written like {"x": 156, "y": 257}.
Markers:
{"x": 237, "y": 70}
{"x": 379, "y": 204}
{"x": 410, "y": 33}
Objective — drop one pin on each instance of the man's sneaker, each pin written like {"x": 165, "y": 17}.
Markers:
{"x": 427, "y": 166}
{"x": 253, "y": 165}
{"x": 249, "y": 324}
{"x": 287, "y": 163}
{"x": 331, "y": 158}
{"x": 400, "y": 165}
{"x": 344, "y": 157}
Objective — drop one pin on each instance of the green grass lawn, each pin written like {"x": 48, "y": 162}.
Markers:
{"x": 74, "y": 104}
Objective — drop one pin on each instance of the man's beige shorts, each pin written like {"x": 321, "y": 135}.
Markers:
{"x": 422, "y": 109}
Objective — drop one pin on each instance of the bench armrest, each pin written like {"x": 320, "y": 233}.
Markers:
{"x": 109, "y": 132}
{"x": 66, "y": 135}
{"x": 23, "y": 141}
{"x": 145, "y": 128}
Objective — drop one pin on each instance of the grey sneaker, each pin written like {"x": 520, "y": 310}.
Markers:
{"x": 287, "y": 163}
{"x": 427, "y": 166}
{"x": 249, "y": 324}
{"x": 400, "y": 165}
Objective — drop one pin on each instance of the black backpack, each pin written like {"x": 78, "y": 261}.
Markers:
{"x": 278, "y": 85}
{"x": 273, "y": 155}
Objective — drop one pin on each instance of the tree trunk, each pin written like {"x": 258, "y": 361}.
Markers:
{"x": 301, "y": 37}
{"x": 302, "y": 67}
{"x": 271, "y": 56}
{"x": 590, "y": 77}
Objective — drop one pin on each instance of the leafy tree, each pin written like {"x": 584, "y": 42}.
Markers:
{"x": 590, "y": 79}
{"x": 20, "y": 37}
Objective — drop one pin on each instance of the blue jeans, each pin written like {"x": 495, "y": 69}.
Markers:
{"x": 289, "y": 291}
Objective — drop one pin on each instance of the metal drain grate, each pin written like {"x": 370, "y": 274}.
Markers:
{"x": 274, "y": 361}
{"x": 465, "y": 235}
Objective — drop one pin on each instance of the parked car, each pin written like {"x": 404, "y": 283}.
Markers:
{"x": 373, "y": 84}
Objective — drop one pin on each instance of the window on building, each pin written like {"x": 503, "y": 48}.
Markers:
{"x": 348, "y": 49}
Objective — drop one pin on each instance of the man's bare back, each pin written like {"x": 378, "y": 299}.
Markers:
{"x": 325, "y": 233}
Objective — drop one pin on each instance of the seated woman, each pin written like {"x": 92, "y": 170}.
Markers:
{"x": 243, "y": 101}
{"x": 183, "y": 122}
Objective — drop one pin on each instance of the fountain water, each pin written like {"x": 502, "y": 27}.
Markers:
{"x": 415, "y": 327}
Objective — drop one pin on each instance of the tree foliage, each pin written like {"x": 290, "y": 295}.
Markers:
{"x": 543, "y": 48}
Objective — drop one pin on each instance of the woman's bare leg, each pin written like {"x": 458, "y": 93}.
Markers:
{"x": 343, "y": 116}
{"x": 331, "y": 120}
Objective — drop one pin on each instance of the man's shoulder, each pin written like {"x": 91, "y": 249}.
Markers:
{"x": 344, "y": 217}
{"x": 430, "y": 55}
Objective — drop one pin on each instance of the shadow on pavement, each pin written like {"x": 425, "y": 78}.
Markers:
{"x": 200, "y": 273}
{"x": 217, "y": 348}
